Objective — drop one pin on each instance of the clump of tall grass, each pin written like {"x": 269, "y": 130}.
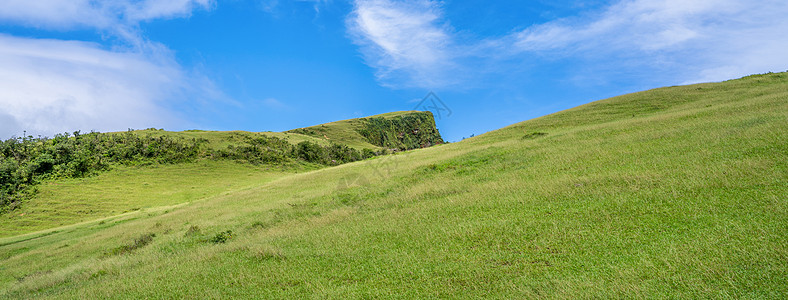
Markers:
{"x": 139, "y": 242}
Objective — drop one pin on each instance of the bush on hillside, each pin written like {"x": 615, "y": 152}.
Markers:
{"x": 259, "y": 150}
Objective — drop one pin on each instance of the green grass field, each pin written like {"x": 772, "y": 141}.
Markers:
{"x": 125, "y": 189}
{"x": 676, "y": 192}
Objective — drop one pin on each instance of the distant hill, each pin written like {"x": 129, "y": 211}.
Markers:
{"x": 27, "y": 162}
{"x": 404, "y": 130}
{"x": 676, "y": 192}
{"x": 357, "y": 133}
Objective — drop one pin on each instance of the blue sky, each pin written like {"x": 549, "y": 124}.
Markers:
{"x": 262, "y": 65}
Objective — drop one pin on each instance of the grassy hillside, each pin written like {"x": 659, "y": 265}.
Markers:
{"x": 204, "y": 161}
{"x": 670, "y": 193}
{"x": 132, "y": 188}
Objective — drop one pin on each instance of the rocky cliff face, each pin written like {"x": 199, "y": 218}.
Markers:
{"x": 403, "y": 132}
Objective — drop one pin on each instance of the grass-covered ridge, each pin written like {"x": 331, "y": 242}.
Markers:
{"x": 404, "y": 130}
{"x": 26, "y": 162}
{"x": 670, "y": 193}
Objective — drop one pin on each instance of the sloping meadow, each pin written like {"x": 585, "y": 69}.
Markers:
{"x": 70, "y": 178}
{"x": 670, "y": 193}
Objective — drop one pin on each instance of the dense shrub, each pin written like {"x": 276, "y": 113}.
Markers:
{"x": 259, "y": 149}
{"x": 332, "y": 154}
{"x": 221, "y": 237}
{"x": 410, "y": 131}
{"x": 340, "y": 154}
{"x": 311, "y": 152}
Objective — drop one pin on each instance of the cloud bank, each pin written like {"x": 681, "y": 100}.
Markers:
{"x": 50, "y": 86}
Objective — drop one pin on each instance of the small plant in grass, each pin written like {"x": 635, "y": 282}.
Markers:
{"x": 221, "y": 237}
{"x": 259, "y": 224}
{"x": 98, "y": 274}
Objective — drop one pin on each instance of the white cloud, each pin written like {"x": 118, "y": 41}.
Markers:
{"x": 51, "y": 86}
{"x": 642, "y": 25}
{"x": 409, "y": 43}
{"x": 54, "y": 13}
{"x": 698, "y": 41}
{"x": 404, "y": 40}
{"x": 153, "y": 9}
{"x": 107, "y": 14}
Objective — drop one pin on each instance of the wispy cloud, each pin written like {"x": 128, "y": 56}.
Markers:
{"x": 274, "y": 6}
{"x": 273, "y": 103}
{"x": 700, "y": 40}
{"x": 68, "y": 14}
{"x": 61, "y": 14}
{"x": 406, "y": 41}
{"x": 409, "y": 43}
{"x": 643, "y": 25}
{"x": 49, "y": 86}
{"x": 155, "y": 9}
